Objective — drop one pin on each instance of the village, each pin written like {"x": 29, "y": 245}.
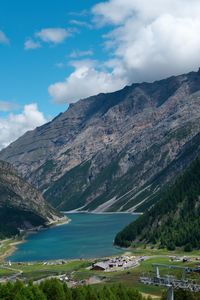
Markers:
{"x": 112, "y": 264}
{"x": 93, "y": 271}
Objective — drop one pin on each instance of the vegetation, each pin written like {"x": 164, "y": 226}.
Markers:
{"x": 46, "y": 167}
{"x": 65, "y": 193}
{"x": 183, "y": 295}
{"x": 21, "y": 205}
{"x": 54, "y": 290}
{"x": 13, "y": 218}
{"x": 77, "y": 270}
{"x": 174, "y": 221}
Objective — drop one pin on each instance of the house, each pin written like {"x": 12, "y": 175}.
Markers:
{"x": 100, "y": 266}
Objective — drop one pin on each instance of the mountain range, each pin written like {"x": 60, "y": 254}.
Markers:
{"x": 116, "y": 151}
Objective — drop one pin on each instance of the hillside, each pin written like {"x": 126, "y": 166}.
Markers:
{"x": 114, "y": 152}
{"x": 21, "y": 205}
{"x": 175, "y": 220}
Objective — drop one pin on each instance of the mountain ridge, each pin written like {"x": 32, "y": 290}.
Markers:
{"x": 105, "y": 153}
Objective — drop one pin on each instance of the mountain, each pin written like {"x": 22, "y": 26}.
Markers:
{"x": 21, "y": 205}
{"x": 116, "y": 151}
{"x": 175, "y": 220}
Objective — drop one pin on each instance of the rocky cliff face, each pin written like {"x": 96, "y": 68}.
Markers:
{"x": 114, "y": 152}
{"x": 21, "y": 205}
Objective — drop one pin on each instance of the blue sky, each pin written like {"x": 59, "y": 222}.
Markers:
{"x": 55, "y": 52}
{"x": 26, "y": 75}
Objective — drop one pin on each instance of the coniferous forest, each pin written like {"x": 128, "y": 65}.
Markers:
{"x": 175, "y": 220}
{"x": 55, "y": 290}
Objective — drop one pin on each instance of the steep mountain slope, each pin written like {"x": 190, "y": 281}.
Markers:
{"x": 175, "y": 220}
{"x": 21, "y": 205}
{"x": 114, "y": 152}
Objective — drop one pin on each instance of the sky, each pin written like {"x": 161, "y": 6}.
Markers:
{"x": 53, "y": 53}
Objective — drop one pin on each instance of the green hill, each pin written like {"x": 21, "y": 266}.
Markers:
{"x": 175, "y": 220}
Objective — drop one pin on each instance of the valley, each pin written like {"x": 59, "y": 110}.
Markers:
{"x": 77, "y": 272}
{"x": 125, "y": 168}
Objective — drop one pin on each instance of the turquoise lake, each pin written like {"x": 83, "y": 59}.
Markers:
{"x": 86, "y": 236}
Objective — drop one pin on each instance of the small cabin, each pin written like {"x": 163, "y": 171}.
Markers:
{"x": 100, "y": 266}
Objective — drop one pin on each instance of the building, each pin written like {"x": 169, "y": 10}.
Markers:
{"x": 100, "y": 266}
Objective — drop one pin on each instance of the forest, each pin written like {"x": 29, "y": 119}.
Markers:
{"x": 53, "y": 289}
{"x": 174, "y": 221}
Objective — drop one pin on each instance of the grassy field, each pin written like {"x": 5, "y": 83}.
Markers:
{"x": 131, "y": 277}
{"x": 77, "y": 269}
{"x": 36, "y": 271}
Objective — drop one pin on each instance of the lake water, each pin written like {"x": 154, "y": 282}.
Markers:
{"x": 86, "y": 236}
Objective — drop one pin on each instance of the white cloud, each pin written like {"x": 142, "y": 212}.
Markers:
{"x": 119, "y": 11}
{"x": 82, "y": 13}
{"x": 3, "y": 38}
{"x": 76, "y": 54}
{"x": 14, "y": 125}
{"x": 6, "y": 106}
{"x": 152, "y": 39}
{"x": 31, "y": 44}
{"x": 81, "y": 24}
{"x": 85, "y": 81}
{"x": 79, "y": 53}
{"x": 53, "y": 35}
{"x": 146, "y": 40}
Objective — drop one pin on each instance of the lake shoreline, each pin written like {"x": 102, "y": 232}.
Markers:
{"x": 101, "y": 213}
{"x": 14, "y": 242}
{"x": 53, "y": 236}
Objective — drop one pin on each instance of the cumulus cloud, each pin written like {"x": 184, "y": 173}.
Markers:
{"x": 3, "y": 38}
{"x": 86, "y": 80}
{"x": 31, "y": 44}
{"x": 146, "y": 41}
{"x": 53, "y": 35}
{"x": 153, "y": 39}
{"x": 76, "y": 54}
{"x": 14, "y": 125}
